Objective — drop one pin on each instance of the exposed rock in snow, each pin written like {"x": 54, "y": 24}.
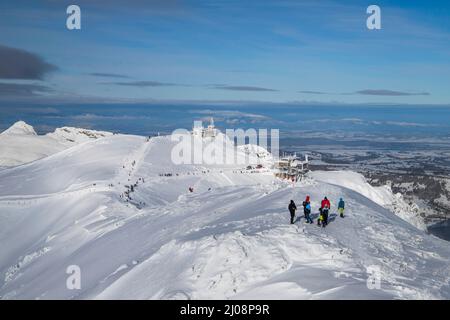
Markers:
{"x": 229, "y": 238}
{"x": 257, "y": 151}
{"x": 76, "y": 135}
{"x": 20, "y": 144}
{"x": 382, "y": 195}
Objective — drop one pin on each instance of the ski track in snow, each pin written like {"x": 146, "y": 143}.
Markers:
{"x": 229, "y": 239}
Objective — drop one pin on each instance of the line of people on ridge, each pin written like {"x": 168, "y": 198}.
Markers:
{"x": 324, "y": 211}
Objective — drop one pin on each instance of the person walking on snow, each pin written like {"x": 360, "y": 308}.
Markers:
{"x": 325, "y": 203}
{"x": 325, "y": 208}
{"x": 307, "y": 210}
{"x": 307, "y": 200}
{"x": 292, "y": 207}
{"x": 320, "y": 221}
{"x": 341, "y": 208}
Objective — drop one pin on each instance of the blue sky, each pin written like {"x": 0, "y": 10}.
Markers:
{"x": 275, "y": 51}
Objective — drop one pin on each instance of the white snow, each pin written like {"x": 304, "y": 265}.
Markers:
{"x": 20, "y": 128}
{"x": 20, "y": 144}
{"x": 230, "y": 238}
{"x": 381, "y": 195}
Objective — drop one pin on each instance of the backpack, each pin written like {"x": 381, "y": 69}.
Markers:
{"x": 308, "y": 208}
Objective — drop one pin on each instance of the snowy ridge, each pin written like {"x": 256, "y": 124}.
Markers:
{"x": 20, "y": 128}
{"x": 256, "y": 151}
{"x": 20, "y": 144}
{"x": 381, "y": 195}
{"x": 229, "y": 238}
{"x": 76, "y": 135}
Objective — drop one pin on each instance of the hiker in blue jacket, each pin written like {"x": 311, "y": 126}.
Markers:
{"x": 307, "y": 210}
{"x": 308, "y": 213}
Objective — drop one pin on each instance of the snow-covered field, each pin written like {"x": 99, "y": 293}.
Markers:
{"x": 229, "y": 238}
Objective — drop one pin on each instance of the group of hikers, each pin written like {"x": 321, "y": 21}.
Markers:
{"x": 324, "y": 211}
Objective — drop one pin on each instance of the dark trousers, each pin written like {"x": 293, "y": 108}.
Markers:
{"x": 292, "y": 217}
{"x": 325, "y": 217}
{"x": 308, "y": 217}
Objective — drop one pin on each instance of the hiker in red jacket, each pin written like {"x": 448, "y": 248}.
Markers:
{"x": 325, "y": 203}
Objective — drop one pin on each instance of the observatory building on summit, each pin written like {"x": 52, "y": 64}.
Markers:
{"x": 291, "y": 167}
{"x": 209, "y": 132}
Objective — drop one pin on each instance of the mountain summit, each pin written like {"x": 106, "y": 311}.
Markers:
{"x": 137, "y": 226}
{"x": 20, "y": 144}
{"x": 20, "y": 128}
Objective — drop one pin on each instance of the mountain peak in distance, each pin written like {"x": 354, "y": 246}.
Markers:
{"x": 20, "y": 128}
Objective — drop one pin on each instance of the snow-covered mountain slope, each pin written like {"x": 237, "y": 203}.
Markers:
{"x": 381, "y": 195}
{"x": 20, "y": 144}
{"x": 229, "y": 238}
{"x": 20, "y": 128}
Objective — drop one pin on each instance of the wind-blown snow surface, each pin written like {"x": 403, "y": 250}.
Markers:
{"x": 230, "y": 238}
{"x": 382, "y": 195}
{"x": 20, "y": 144}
